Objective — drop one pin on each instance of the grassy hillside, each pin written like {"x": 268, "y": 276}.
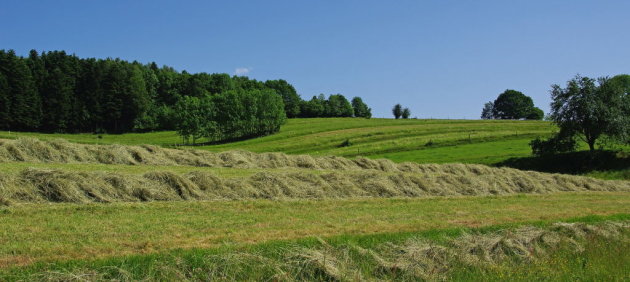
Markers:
{"x": 491, "y": 142}
{"x": 73, "y": 211}
{"x": 424, "y": 141}
{"x": 399, "y": 140}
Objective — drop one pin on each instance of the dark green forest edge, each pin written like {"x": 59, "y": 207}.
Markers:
{"x": 61, "y": 93}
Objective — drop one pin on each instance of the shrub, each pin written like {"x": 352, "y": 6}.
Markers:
{"x": 346, "y": 143}
{"x": 555, "y": 144}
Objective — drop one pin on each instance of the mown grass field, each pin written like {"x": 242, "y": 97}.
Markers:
{"x": 249, "y": 239}
{"x": 489, "y": 142}
{"x": 36, "y": 233}
{"x": 424, "y": 141}
{"x": 597, "y": 258}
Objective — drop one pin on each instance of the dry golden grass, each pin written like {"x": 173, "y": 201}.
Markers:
{"x": 60, "y": 151}
{"x": 33, "y": 185}
{"x": 336, "y": 178}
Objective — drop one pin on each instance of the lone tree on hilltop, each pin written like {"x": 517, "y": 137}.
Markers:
{"x": 512, "y": 104}
{"x": 589, "y": 108}
{"x": 397, "y": 111}
{"x": 406, "y": 113}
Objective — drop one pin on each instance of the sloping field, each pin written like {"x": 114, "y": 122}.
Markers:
{"x": 398, "y": 140}
{"x": 64, "y": 204}
{"x": 308, "y": 178}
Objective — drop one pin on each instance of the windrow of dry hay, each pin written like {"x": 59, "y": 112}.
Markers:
{"x": 46, "y": 185}
{"x": 61, "y": 151}
{"x": 427, "y": 260}
{"x": 350, "y": 178}
{"x": 411, "y": 260}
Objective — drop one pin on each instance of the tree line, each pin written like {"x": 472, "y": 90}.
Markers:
{"x": 58, "y": 92}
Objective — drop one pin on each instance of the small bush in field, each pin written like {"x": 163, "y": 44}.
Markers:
{"x": 553, "y": 145}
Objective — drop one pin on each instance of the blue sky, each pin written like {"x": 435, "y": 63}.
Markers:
{"x": 442, "y": 59}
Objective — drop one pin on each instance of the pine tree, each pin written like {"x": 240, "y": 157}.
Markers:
{"x": 25, "y": 111}
{"x": 58, "y": 91}
{"x": 4, "y": 103}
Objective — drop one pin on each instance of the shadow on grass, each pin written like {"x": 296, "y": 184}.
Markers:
{"x": 582, "y": 162}
{"x": 218, "y": 142}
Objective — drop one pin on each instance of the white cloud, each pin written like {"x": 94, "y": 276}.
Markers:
{"x": 242, "y": 71}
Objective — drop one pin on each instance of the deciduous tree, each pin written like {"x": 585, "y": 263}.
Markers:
{"x": 512, "y": 104}
{"x": 405, "y": 113}
{"x": 487, "y": 112}
{"x": 397, "y": 111}
{"x": 361, "y": 109}
{"x": 289, "y": 96}
{"x": 590, "y": 108}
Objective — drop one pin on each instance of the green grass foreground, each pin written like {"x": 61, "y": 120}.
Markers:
{"x": 31, "y": 233}
{"x": 595, "y": 257}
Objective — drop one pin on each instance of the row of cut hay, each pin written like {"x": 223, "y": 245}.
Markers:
{"x": 45, "y": 185}
{"x": 61, "y": 151}
{"x": 411, "y": 260}
{"x": 426, "y": 260}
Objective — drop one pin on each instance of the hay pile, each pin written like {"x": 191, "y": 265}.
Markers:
{"x": 52, "y": 185}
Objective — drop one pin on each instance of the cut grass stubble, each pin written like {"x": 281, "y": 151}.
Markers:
{"x": 595, "y": 249}
{"x": 32, "y": 233}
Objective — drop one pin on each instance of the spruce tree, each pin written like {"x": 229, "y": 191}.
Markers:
{"x": 25, "y": 111}
{"x": 4, "y": 103}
